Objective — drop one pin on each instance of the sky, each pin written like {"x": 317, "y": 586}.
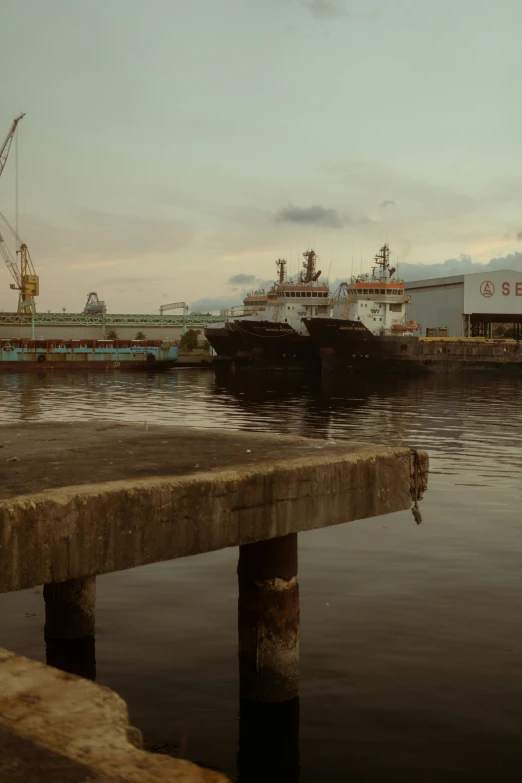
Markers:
{"x": 173, "y": 150}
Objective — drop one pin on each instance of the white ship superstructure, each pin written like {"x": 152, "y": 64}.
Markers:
{"x": 378, "y": 300}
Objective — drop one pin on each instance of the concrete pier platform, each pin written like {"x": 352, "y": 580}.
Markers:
{"x": 81, "y": 499}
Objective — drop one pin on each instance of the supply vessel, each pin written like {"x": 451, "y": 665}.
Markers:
{"x": 225, "y": 338}
{"x": 274, "y": 336}
{"x": 373, "y": 333}
{"x": 280, "y": 339}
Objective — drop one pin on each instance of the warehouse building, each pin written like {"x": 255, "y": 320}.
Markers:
{"x": 471, "y": 305}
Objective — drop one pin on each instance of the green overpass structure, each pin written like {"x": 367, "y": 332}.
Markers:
{"x": 112, "y": 320}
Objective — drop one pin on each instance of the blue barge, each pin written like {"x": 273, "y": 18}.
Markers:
{"x": 25, "y": 355}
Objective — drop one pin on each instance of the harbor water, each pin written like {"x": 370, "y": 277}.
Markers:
{"x": 411, "y": 642}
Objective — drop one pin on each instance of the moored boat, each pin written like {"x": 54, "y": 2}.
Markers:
{"x": 225, "y": 339}
{"x": 279, "y": 340}
{"x": 348, "y": 346}
{"x": 374, "y": 333}
{"x": 24, "y": 355}
{"x": 373, "y": 329}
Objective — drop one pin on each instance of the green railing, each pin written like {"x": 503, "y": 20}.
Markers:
{"x": 114, "y": 319}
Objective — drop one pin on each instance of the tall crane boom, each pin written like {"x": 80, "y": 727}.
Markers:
{"x": 10, "y": 263}
{"x": 26, "y": 279}
{"x": 6, "y": 146}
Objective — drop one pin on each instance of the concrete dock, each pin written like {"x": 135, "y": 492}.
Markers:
{"x": 78, "y": 500}
{"x": 82, "y": 499}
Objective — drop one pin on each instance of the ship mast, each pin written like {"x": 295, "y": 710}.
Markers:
{"x": 281, "y": 270}
{"x": 382, "y": 260}
{"x": 309, "y": 275}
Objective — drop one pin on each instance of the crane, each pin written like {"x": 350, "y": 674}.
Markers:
{"x": 175, "y": 306}
{"x": 6, "y": 146}
{"x": 10, "y": 262}
{"x": 25, "y": 277}
{"x": 94, "y": 306}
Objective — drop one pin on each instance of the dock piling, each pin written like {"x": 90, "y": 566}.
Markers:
{"x": 70, "y": 608}
{"x": 268, "y": 620}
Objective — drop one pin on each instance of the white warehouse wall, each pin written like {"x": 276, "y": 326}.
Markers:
{"x": 493, "y": 292}
{"x": 436, "y": 307}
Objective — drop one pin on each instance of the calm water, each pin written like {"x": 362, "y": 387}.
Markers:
{"x": 411, "y": 655}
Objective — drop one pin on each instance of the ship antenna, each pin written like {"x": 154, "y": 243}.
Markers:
{"x": 329, "y": 270}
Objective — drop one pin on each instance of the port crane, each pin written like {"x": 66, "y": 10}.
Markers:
{"x": 6, "y": 146}
{"x": 175, "y": 306}
{"x": 26, "y": 280}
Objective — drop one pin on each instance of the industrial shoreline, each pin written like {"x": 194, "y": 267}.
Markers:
{"x": 333, "y": 345}
{"x": 469, "y": 321}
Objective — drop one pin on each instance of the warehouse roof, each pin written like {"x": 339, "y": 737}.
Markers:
{"x": 451, "y": 280}
{"x": 435, "y": 282}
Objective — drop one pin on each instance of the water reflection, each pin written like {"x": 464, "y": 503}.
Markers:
{"x": 471, "y": 424}
{"x": 268, "y": 742}
{"x": 75, "y": 656}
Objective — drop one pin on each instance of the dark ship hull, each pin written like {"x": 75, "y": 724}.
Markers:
{"x": 227, "y": 342}
{"x": 277, "y": 346}
{"x": 348, "y": 346}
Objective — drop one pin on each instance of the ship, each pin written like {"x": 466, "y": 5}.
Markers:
{"x": 371, "y": 322}
{"x": 374, "y": 334}
{"x": 280, "y": 340}
{"x": 350, "y": 347}
{"x": 25, "y": 355}
{"x": 225, "y": 338}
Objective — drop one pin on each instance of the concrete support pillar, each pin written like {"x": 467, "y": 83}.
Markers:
{"x": 70, "y": 608}
{"x": 268, "y": 620}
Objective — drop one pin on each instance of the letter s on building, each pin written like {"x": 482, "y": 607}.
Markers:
{"x": 505, "y": 289}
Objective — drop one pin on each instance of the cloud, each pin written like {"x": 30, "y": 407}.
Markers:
{"x": 458, "y": 266}
{"x": 422, "y": 201}
{"x": 519, "y": 235}
{"x": 234, "y": 299}
{"x": 211, "y": 303}
{"x": 325, "y": 8}
{"x": 125, "y": 280}
{"x": 95, "y": 238}
{"x": 245, "y": 254}
{"x": 242, "y": 279}
{"x": 312, "y": 216}
{"x": 387, "y": 203}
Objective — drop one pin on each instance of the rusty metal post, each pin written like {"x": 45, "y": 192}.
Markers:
{"x": 70, "y": 608}
{"x": 268, "y": 620}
